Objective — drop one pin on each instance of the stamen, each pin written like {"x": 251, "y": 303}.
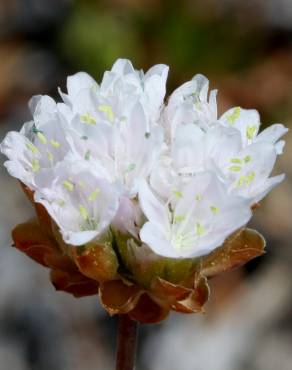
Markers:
{"x": 88, "y": 118}
{"x": 32, "y": 148}
{"x": 234, "y": 116}
{"x": 107, "y": 110}
{"x": 42, "y": 137}
{"x": 250, "y": 131}
{"x": 83, "y": 212}
{"x": 178, "y": 194}
{"x": 55, "y": 143}
{"x": 94, "y": 194}
{"x": 35, "y": 165}
{"x": 200, "y": 229}
{"x": 235, "y": 168}
{"x": 50, "y": 156}
{"x": 215, "y": 210}
{"x": 39, "y": 134}
{"x": 246, "y": 179}
{"x": 179, "y": 218}
{"x": 236, "y": 160}
{"x": 250, "y": 177}
{"x": 247, "y": 159}
{"x": 68, "y": 185}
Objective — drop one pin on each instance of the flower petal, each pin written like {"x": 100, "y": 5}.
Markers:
{"x": 272, "y": 133}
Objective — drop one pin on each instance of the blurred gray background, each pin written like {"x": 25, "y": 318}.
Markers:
{"x": 245, "y": 48}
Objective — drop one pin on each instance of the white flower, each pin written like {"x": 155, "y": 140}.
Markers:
{"x": 82, "y": 204}
{"x": 75, "y": 84}
{"x": 41, "y": 143}
{"x": 149, "y": 87}
{"x": 247, "y": 121}
{"x": 123, "y": 154}
{"x": 115, "y": 156}
{"x": 190, "y": 104}
{"x": 183, "y": 158}
{"x": 120, "y": 89}
{"x": 195, "y": 220}
{"x": 244, "y": 168}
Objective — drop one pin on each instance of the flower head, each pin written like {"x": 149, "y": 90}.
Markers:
{"x": 140, "y": 198}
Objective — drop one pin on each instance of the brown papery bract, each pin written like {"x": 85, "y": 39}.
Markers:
{"x": 129, "y": 279}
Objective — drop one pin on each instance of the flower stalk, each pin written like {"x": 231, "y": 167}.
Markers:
{"x": 126, "y": 343}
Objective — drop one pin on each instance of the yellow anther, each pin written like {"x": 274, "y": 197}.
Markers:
{"x": 250, "y": 131}
{"x": 246, "y": 179}
{"x": 94, "y": 194}
{"x": 178, "y": 194}
{"x": 107, "y": 110}
{"x": 88, "y": 118}
{"x": 50, "y": 156}
{"x": 195, "y": 96}
{"x": 55, "y": 143}
{"x": 247, "y": 159}
{"x": 179, "y": 218}
{"x": 234, "y": 115}
{"x": 35, "y": 165}
{"x": 235, "y": 168}
{"x": 68, "y": 185}
{"x": 241, "y": 181}
{"x": 215, "y": 210}
{"x": 250, "y": 177}
{"x": 32, "y": 148}
{"x": 236, "y": 160}
{"x": 200, "y": 229}
{"x": 41, "y": 137}
{"x": 199, "y": 197}
{"x": 83, "y": 212}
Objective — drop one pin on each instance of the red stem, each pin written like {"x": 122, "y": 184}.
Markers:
{"x": 126, "y": 343}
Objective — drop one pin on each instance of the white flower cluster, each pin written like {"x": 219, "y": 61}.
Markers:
{"x": 116, "y": 155}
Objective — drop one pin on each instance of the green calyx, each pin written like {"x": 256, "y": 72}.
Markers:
{"x": 141, "y": 265}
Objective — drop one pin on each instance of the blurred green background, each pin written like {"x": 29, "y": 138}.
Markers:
{"x": 245, "y": 49}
